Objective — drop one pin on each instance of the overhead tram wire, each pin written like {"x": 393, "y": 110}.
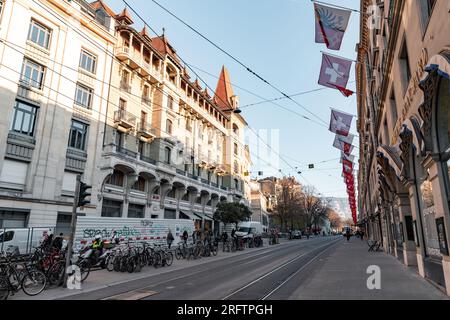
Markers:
{"x": 206, "y": 84}
{"x": 106, "y": 52}
{"x": 232, "y": 57}
{"x": 258, "y": 96}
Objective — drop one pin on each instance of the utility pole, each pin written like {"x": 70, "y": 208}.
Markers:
{"x": 73, "y": 225}
{"x": 80, "y": 200}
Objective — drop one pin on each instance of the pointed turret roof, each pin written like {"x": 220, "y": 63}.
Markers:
{"x": 124, "y": 16}
{"x": 224, "y": 90}
{"x": 145, "y": 33}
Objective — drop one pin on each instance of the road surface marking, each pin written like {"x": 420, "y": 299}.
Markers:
{"x": 276, "y": 269}
{"x": 132, "y": 295}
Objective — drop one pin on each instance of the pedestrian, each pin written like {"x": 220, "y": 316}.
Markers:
{"x": 58, "y": 242}
{"x": 362, "y": 235}
{"x": 185, "y": 236}
{"x": 170, "y": 238}
{"x": 347, "y": 234}
{"x": 194, "y": 233}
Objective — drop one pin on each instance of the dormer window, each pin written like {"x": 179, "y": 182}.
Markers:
{"x": 102, "y": 17}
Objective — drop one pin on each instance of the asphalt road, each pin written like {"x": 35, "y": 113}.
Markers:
{"x": 274, "y": 272}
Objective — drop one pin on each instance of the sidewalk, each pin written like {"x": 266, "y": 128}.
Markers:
{"x": 100, "y": 279}
{"x": 341, "y": 274}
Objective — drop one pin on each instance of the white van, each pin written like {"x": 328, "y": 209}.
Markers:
{"x": 249, "y": 229}
{"x": 22, "y": 240}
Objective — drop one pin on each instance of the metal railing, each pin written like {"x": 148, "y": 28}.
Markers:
{"x": 126, "y": 151}
{"x": 147, "y": 159}
{"x": 123, "y": 115}
{"x": 146, "y": 128}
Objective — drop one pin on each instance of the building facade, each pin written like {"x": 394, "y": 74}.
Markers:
{"x": 259, "y": 204}
{"x": 123, "y": 112}
{"x": 403, "y": 112}
{"x": 55, "y": 69}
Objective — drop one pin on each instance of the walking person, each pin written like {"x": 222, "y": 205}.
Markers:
{"x": 170, "y": 239}
{"x": 347, "y": 234}
{"x": 185, "y": 236}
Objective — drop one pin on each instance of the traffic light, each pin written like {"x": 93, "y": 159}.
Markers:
{"x": 83, "y": 195}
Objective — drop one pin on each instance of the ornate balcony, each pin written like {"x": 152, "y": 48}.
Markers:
{"x": 124, "y": 120}
{"x": 146, "y": 132}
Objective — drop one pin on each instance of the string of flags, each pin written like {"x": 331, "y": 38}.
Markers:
{"x": 330, "y": 26}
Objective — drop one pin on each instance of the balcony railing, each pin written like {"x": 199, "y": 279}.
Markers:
{"x": 205, "y": 181}
{"x": 147, "y": 159}
{"x": 146, "y": 100}
{"x": 125, "y": 151}
{"x": 137, "y": 61}
{"x": 146, "y": 131}
{"x": 181, "y": 172}
{"x": 125, "y": 86}
{"x": 124, "y": 119}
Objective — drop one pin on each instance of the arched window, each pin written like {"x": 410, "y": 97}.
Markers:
{"x": 236, "y": 167}
{"x": 116, "y": 179}
{"x": 167, "y": 155}
{"x": 139, "y": 184}
{"x": 235, "y": 129}
{"x": 168, "y": 126}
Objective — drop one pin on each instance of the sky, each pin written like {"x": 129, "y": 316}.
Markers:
{"x": 275, "y": 38}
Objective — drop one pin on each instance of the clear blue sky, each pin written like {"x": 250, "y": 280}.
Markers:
{"x": 275, "y": 38}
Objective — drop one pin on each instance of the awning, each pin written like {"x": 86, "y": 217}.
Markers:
{"x": 199, "y": 215}
{"x": 186, "y": 215}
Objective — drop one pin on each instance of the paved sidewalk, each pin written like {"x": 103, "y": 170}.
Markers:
{"x": 100, "y": 279}
{"x": 341, "y": 274}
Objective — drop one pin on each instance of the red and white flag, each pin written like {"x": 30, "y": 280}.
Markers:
{"x": 334, "y": 72}
{"x": 331, "y": 24}
{"x": 340, "y": 122}
{"x": 344, "y": 143}
{"x": 347, "y": 157}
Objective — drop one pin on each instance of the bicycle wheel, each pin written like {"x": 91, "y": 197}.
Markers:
{"x": 131, "y": 265}
{"x": 4, "y": 288}
{"x": 34, "y": 282}
{"x": 178, "y": 253}
{"x": 85, "y": 269}
{"x": 56, "y": 272}
{"x": 110, "y": 263}
{"x": 157, "y": 260}
{"x": 214, "y": 250}
{"x": 169, "y": 258}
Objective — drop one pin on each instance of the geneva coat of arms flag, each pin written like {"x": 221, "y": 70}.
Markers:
{"x": 331, "y": 24}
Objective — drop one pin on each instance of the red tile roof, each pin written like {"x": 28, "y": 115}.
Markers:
{"x": 162, "y": 45}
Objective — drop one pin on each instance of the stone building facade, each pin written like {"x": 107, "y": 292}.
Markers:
{"x": 124, "y": 113}
{"x": 403, "y": 84}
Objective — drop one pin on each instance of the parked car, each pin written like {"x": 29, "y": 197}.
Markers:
{"x": 296, "y": 234}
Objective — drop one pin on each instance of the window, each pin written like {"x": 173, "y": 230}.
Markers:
{"x": 139, "y": 185}
{"x": 39, "y": 34}
{"x": 143, "y": 119}
{"x": 136, "y": 211}
{"x": 167, "y": 152}
{"x": 404, "y": 65}
{"x": 88, "y": 61}
{"x": 11, "y": 218}
{"x": 111, "y": 208}
{"x": 124, "y": 82}
{"x": 77, "y": 136}
{"x": 188, "y": 125}
{"x": 236, "y": 167}
{"x": 236, "y": 149}
{"x": 169, "y": 103}
{"x": 122, "y": 104}
{"x": 394, "y": 114}
{"x": 426, "y": 9}
{"x": 116, "y": 179}
{"x": 24, "y": 118}
{"x": 83, "y": 96}
{"x": 168, "y": 126}
{"x": 235, "y": 129}
{"x": 32, "y": 74}
{"x": 146, "y": 94}
{"x": 386, "y": 132}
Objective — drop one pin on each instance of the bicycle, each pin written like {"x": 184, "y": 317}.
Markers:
{"x": 26, "y": 277}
